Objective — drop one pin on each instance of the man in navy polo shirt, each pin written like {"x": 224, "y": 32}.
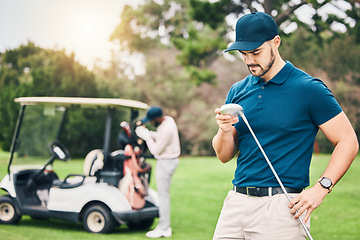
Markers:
{"x": 285, "y": 107}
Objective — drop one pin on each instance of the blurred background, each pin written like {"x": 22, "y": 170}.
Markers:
{"x": 164, "y": 53}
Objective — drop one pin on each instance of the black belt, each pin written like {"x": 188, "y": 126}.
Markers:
{"x": 264, "y": 191}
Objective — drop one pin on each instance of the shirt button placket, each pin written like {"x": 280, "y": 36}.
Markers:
{"x": 260, "y": 96}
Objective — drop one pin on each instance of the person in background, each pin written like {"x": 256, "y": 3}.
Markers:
{"x": 164, "y": 144}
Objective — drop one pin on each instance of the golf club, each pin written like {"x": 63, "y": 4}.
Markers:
{"x": 236, "y": 109}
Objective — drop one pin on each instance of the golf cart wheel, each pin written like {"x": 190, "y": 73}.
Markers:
{"x": 98, "y": 219}
{"x": 8, "y": 212}
{"x": 142, "y": 225}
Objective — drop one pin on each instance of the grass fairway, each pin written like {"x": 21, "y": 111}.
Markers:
{"x": 199, "y": 187}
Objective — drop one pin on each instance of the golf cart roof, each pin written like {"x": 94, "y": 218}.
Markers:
{"x": 80, "y": 101}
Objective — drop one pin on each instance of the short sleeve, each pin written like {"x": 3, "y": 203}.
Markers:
{"x": 323, "y": 105}
{"x": 230, "y": 95}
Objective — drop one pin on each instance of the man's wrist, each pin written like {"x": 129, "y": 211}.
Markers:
{"x": 222, "y": 131}
{"x": 321, "y": 188}
{"x": 325, "y": 183}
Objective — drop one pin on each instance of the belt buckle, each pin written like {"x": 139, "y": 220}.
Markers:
{"x": 247, "y": 191}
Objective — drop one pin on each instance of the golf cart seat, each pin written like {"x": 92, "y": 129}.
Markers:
{"x": 106, "y": 167}
{"x": 71, "y": 181}
{"x": 94, "y": 161}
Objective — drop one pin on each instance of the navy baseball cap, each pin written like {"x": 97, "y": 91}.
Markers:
{"x": 152, "y": 113}
{"x": 252, "y": 30}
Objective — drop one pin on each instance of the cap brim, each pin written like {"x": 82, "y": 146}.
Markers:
{"x": 244, "y": 46}
{"x": 145, "y": 120}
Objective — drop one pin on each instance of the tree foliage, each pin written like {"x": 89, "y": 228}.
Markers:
{"x": 33, "y": 71}
{"x": 214, "y": 14}
{"x": 168, "y": 24}
{"x": 200, "y": 30}
{"x": 182, "y": 42}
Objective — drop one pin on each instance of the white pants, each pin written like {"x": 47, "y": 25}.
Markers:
{"x": 258, "y": 218}
{"x": 164, "y": 170}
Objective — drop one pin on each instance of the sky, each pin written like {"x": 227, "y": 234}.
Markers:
{"x": 80, "y": 26}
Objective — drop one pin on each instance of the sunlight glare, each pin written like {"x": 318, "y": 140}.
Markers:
{"x": 89, "y": 31}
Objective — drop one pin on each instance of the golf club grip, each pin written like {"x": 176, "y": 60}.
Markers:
{"x": 274, "y": 172}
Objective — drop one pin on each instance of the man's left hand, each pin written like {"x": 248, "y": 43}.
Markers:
{"x": 308, "y": 200}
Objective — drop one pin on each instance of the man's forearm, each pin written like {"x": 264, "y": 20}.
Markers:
{"x": 343, "y": 155}
{"x": 224, "y": 145}
{"x": 341, "y": 134}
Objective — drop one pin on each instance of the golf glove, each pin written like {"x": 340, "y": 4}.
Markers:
{"x": 143, "y": 133}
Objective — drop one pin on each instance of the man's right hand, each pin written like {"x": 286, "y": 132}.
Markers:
{"x": 225, "y": 121}
{"x": 225, "y": 141}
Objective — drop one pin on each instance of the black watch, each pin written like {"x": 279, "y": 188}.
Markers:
{"x": 326, "y": 183}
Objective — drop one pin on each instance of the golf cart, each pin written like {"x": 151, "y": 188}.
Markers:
{"x": 113, "y": 189}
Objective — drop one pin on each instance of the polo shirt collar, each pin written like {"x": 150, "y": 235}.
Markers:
{"x": 281, "y": 76}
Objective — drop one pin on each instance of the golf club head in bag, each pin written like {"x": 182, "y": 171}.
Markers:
{"x": 125, "y": 125}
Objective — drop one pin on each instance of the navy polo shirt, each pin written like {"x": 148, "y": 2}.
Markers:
{"x": 284, "y": 113}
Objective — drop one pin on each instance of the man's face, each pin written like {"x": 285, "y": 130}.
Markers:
{"x": 260, "y": 60}
{"x": 156, "y": 122}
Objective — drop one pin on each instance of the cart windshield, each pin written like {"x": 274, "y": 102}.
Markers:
{"x": 40, "y": 126}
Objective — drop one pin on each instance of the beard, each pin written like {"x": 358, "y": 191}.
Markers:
{"x": 156, "y": 124}
{"x": 265, "y": 69}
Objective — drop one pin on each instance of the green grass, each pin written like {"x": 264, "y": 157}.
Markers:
{"x": 337, "y": 217}
{"x": 199, "y": 187}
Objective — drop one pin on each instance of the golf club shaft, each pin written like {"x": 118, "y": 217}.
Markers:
{"x": 274, "y": 172}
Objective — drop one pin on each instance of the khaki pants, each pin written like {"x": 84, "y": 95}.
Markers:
{"x": 258, "y": 218}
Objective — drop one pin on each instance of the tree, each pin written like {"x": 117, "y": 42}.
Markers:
{"x": 199, "y": 29}
{"x": 283, "y": 11}
{"x": 168, "y": 24}
{"x": 33, "y": 71}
